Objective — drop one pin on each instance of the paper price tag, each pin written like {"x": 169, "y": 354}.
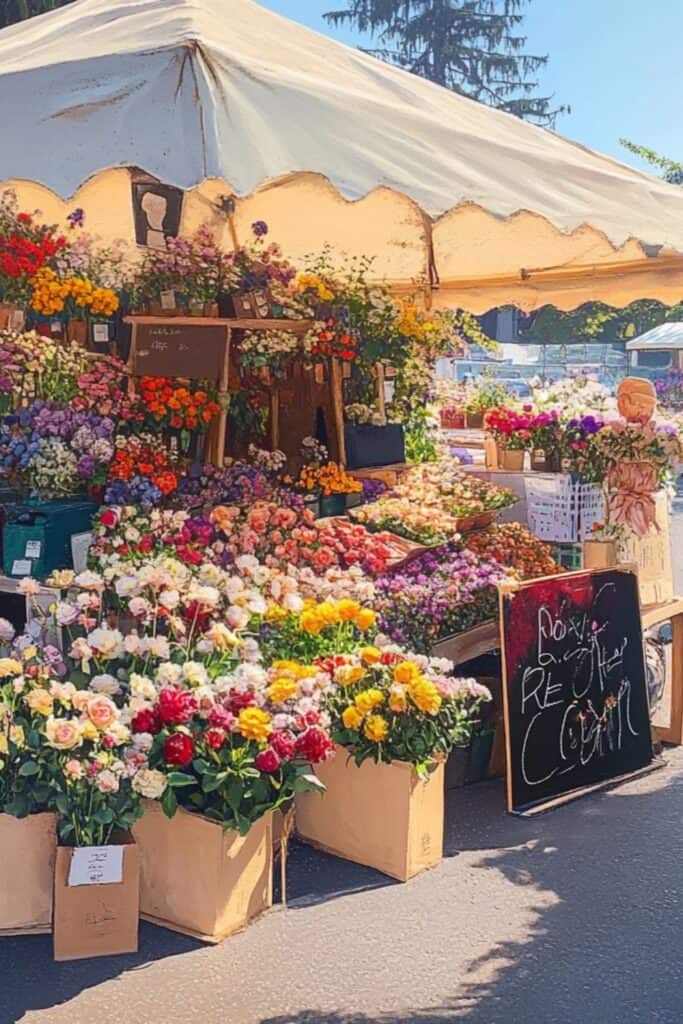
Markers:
{"x": 21, "y": 567}
{"x": 96, "y": 865}
{"x": 33, "y": 549}
{"x": 55, "y": 326}
{"x": 167, "y": 300}
{"x": 100, "y": 332}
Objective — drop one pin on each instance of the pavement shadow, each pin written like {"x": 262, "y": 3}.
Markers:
{"x": 45, "y": 984}
{"x": 315, "y": 877}
{"x": 603, "y": 943}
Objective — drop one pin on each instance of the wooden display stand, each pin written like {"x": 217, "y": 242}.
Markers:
{"x": 654, "y": 615}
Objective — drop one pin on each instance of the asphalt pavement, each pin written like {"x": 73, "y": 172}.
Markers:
{"x": 574, "y": 917}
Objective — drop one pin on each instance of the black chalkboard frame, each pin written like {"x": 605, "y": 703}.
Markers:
{"x": 533, "y": 808}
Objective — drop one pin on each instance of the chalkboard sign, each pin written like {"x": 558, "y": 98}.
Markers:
{"x": 196, "y": 351}
{"x": 576, "y": 707}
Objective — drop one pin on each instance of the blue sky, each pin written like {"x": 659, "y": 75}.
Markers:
{"x": 616, "y": 62}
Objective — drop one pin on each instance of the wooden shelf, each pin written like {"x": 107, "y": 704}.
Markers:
{"x": 653, "y": 614}
{"x": 214, "y": 321}
{"x": 469, "y": 645}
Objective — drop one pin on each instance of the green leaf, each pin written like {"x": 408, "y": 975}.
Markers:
{"x": 201, "y": 766}
{"x": 29, "y": 768}
{"x": 233, "y": 793}
{"x": 210, "y": 783}
{"x": 103, "y": 815}
{"x": 178, "y": 779}
{"x": 309, "y": 783}
{"x": 169, "y": 804}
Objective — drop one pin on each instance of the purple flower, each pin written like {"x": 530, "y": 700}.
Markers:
{"x": 260, "y": 228}
{"x": 76, "y": 218}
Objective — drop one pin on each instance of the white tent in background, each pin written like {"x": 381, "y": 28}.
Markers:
{"x": 224, "y": 96}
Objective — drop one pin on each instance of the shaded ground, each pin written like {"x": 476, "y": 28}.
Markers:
{"x": 573, "y": 917}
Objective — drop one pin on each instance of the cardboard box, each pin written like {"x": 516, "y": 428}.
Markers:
{"x": 93, "y": 919}
{"x": 383, "y": 816}
{"x": 28, "y": 847}
{"x": 652, "y": 557}
{"x": 198, "y": 879}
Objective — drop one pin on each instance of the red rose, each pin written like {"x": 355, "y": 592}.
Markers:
{"x": 312, "y": 718}
{"x": 146, "y": 721}
{"x": 284, "y": 744}
{"x": 176, "y": 706}
{"x": 240, "y": 701}
{"x": 221, "y": 718}
{"x": 109, "y": 518}
{"x": 314, "y": 745}
{"x": 267, "y": 761}
{"x": 178, "y": 750}
{"x": 215, "y": 738}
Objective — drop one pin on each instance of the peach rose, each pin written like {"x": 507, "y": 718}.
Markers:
{"x": 101, "y": 711}
{"x": 62, "y": 733}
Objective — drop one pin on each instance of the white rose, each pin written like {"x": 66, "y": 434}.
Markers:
{"x": 149, "y": 783}
{"x": 105, "y": 684}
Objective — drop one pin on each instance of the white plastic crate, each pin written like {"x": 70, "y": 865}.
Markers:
{"x": 561, "y": 510}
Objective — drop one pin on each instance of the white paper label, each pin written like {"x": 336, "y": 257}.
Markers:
{"x": 17, "y": 320}
{"x": 21, "y": 567}
{"x": 56, "y": 326}
{"x": 100, "y": 332}
{"x": 96, "y": 865}
{"x": 33, "y": 549}
{"x": 80, "y": 545}
{"x": 167, "y": 300}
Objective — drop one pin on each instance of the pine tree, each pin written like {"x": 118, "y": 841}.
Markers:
{"x": 12, "y": 11}
{"x": 470, "y": 46}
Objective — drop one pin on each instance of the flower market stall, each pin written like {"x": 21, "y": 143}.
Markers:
{"x": 221, "y": 614}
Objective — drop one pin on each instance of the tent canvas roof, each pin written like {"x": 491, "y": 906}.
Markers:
{"x": 194, "y": 89}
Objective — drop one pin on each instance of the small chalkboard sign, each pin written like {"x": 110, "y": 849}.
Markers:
{"x": 196, "y": 351}
{"x": 575, "y": 695}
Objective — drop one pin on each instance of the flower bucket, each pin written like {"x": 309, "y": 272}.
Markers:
{"x": 474, "y": 420}
{"x": 512, "y": 460}
{"x": 479, "y": 760}
{"x": 544, "y": 462}
{"x": 12, "y": 318}
{"x": 332, "y": 505}
{"x": 93, "y": 917}
{"x": 312, "y": 502}
{"x": 452, "y": 419}
{"x": 380, "y": 815}
{"x": 200, "y": 880}
{"x": 77, "y": 333}
{"x": 29, "y": 847}
{"x": 354, "y": 500}
{"x": 600, "y": 554}
{"x": 455, "y": 772}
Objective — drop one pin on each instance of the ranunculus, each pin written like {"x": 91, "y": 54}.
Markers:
{"x": 314, "y": 745}
{"x": 221, "y": 718}
{"x": 215, "y": 738}
{"x": 110, "y": 518}
{"x": 102, "y": 712}
{"x": 146, "y": 720}
{"x": 149, "y": 783}
{"x": 176, "y": 706}
{"x": 178, "y": 750}
{"x": 267, "y": 761}
{"x": 62, "y": 733}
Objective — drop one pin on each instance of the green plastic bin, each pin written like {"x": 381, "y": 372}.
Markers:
{"x": 36, "y": 536}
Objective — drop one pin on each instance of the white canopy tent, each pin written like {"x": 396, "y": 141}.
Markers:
{"x": 665, "y": 338}
{"x": 327, "y": 145}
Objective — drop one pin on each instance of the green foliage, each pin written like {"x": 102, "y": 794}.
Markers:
{"x": 12, "y": 11}
{"x": 473, "y": 47}
{"x": 596, "y": 323}
{"x": 673, "y": 170}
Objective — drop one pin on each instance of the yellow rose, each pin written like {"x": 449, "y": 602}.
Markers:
{"x": 282, "y": 689}
{"x": 254, "y": 724}
{"x": 368, "y": 700}
{"x": 62, "y": 733}
{"x": 347, "y": 609}
{"x": 29, "y": 652}
{"x": 425, "y": 696}
{"x": 311, "y": 622}
{"x": 347, "y": 675}
{"x": 89, "y": 731}
{"x": 328, "y": 612}
{"x": 370, "y": 655}
{"x": 4, "y": 747}
{"x": 285, "y": 666}
{"x": 16, "y": 735}
{"x": 376, "y": 728}
{"x": 9, "y": 667}
{"x": 406, "y": 672}
{"x": 351, "y": 718}
{"x": 40, "y": 701}
{"x": 365, "y": 619}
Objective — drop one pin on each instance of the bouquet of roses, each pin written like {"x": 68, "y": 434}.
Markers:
{"x": 388, "y": 705}
{"x": 237, "y": 747}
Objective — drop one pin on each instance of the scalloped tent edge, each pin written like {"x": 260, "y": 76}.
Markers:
{"x": 467, "y": 258}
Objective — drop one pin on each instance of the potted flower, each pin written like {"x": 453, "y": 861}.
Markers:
{"x": 395, "y": 718}
{"x": 331, "y": 484}
{"x": 369, "y": 440}
{"x": 27, "y": 818}
{"x": 512, "y": 433}
{"x": 268, "y": 351}
{"x": 480, "y": 397}
{"x": 601, "y": 549}
{"x": 546, "y": 434}
{"x": 223, "y": 756}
